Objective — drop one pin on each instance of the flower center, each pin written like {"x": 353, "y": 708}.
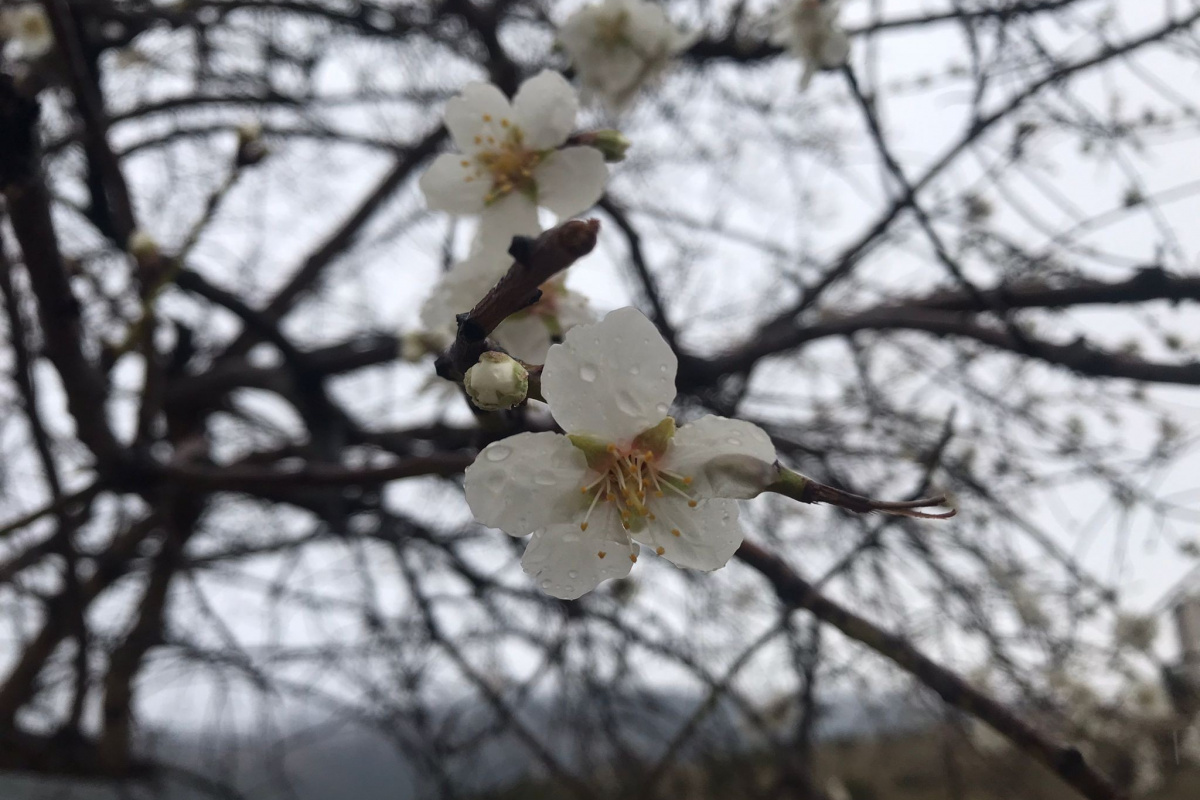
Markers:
{"x": 507, "y": 162}
{"x": 629, "y": 480}
{"x": 612, "y": 30}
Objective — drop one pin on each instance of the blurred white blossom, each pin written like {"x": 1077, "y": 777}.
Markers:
{"x": 512, "y": 161}
{"x": 27, "y": 30}
{"x": 623, "y": 472}
{"x": 809, "y": 29}
{"x": 528, "y": 334}
{"x": 616, "y": 46}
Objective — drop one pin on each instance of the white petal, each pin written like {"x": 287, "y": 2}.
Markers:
{"x": 461, "y": 288}
{"x": 451, "y": 186}
{"x": 709, "y": 534}
{"x": 571, "y": 180}
{"x": 723, "y": 457}
{"x": 526, "y": 482}
{"x": 566, "y": 562}
{"x": 525, "y": 337}
{"x": 465, "y": 116}
{"x": 613, "y": 379}
{"x": 544, "y": 108}
{"x": 511, "y": 215}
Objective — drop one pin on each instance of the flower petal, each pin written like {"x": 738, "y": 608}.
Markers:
{"x": 475, "y": 114}
{"x": 511, "y": 215}
{"x": 527, "y": 482}
{"x": 461, "y": 288}
{"x": 452, "y": 184}
{"x": 708, "y": 535}
{"x": 545, "y": 107}
{"x": 525, "y": 336}
{"x": 571, "y": 180}
{"x": 567, "y": 563}
{"x": 723, "y": 457}
{"x": 613, "y": 379}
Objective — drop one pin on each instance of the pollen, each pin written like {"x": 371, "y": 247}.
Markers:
{"x": 601, "y": 554}
{"x": 633, "y": 557}
{"x": 487, "y": 117}
{"x": 465, "y": 163}
{"x": 676, "y": 532}
{"x": 478, "y": 140}
{"x": 660, "y": 550}
{"x": 504, "y": 123}
{"x": 692, "y": 503}
{"x": 583, "y": 526}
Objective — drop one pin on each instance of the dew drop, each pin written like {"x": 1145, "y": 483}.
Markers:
{"x": 627, "y": 402}
{"x": 570, "y": 537}
{"x": 635, "y": 370}
{"x": 662, "y": 408}
{"x": 498, "y": 452}
{"x": 573, "y": 574}
{"x": 662, "y": 367}
{"x": 545, "y": 584}
{"x": 544, "y": 478}
{"x": 733, "y": 440}
{"x": 587, "y": 373}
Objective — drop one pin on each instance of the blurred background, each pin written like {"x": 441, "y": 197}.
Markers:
{"x": 235, "y": 559}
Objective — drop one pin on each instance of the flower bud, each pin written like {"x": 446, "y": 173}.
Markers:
{"x": 612, "y": 144}
{"x": 497, "y": 382}
{"x": 141, "y": 246}
{"x": 251, "y": 149}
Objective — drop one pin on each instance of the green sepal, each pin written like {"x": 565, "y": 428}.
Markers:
{"x": 656, "y": 439}
{"x": 595, "y": 450}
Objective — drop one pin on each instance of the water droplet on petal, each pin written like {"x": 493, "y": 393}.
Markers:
{"x": 662, "y": 408}
{"x": 587, "y": 373}
{"x": 497, "y": 452}
{"x": 545, "y": 584}
{"x": 662, "y": 367}
{"x": 627, "y": 403}
{"x": 733, "y": 440}
{"x": 544, "y": 478}
{"x": 635, "y": 370}
{"x": 573, "y": 574}
{"x": 570, "y": 537}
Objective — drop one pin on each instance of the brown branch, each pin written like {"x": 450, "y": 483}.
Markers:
{"x": 795, "y": 592}
{"x": 535, "y": 262}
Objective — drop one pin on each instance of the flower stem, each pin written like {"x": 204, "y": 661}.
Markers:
{"x": 806, "y": 490}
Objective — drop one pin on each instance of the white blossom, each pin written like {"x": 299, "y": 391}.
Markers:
{"x": 526, "y": 335}
{"x": 28, "y": 31}
{"x": 809, "y": 29}
{"x": 496, "y": 382}
{"x": 623, "y": 473}
{"x": 511, "y": 159}
{"x": 616, "y": 46}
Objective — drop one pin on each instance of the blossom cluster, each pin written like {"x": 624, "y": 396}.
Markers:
{"x": 624, "y": 475}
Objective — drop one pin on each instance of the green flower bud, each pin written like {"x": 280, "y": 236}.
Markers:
{"x": 496, "y": 382}
{"x": 611, "y": 144}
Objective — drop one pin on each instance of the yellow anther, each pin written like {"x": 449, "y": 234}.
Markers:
{"x": 504, "y": 123}
{"x": 693, "y": 503}
{"x": 465, "y": 163}
{"x": 676, "y": 532}
{"x": 633, "y": 557}
{"x": 660, "y": 550}
{"x": 583, "y": 526}
{"x": 583, "y": 490}
{"x": 612, "y": 448}
{"x": 601, "y": 554}
{"x": 687, "y": 480}
{"x": 478, "y": 140}
{"x": 487, "y": 117}
{"x": 651, "y": 517}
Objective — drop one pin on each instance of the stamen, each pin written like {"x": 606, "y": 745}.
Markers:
{"x": 601, "y": 554}
{"x": 633, "y": 557}
{"x": 660, "y": 550}
{"x": 676, "y": 532}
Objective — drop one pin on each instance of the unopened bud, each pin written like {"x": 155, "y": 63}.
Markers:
{"x": 496, "y": 382}
{"x": 612, "y": 144}
{"x": 251, "y": 149}
{"x": 143, "y": 247}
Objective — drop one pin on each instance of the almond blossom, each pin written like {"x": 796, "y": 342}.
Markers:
{"x": 624, "y": 474}
{"x": 809, "y": 29}
{"x": 512, "y": 159}
{"x": 526, "y": 335}
{"x": 618, "y": 45}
